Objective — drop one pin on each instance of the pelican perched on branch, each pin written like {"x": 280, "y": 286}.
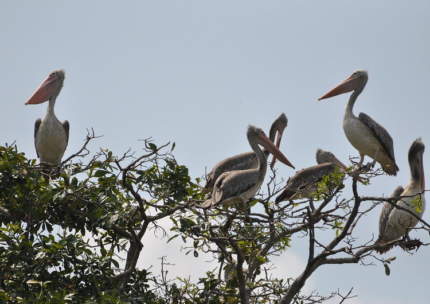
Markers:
{"x": 323, "y": 156}
{"x": 395, "y": 223}
{"x": 365, "y": 134}
{"x": 50, "y": 135}
{"x": 247, "y": 160}
{"x": 304, "y": 184}
{"x": 238, "y": 186}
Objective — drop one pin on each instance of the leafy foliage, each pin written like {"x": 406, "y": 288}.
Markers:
{"x": 61, "y": 237}
{"x": 74, "y": 234}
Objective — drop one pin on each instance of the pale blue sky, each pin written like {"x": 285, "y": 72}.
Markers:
{"x": 198, "y": 72}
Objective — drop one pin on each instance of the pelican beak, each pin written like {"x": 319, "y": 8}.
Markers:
{"x": 345, "y": 86}
{"x": 278, "y": 143}
{"x": 267, "y": 143}
{"x": 342, "y": 166}
{"x": 44, "y": 92}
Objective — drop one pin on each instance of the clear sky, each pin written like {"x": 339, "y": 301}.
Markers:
{"x": 198, "y": 72}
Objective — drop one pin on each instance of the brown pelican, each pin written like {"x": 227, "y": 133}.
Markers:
{"x": 304, "y": 183}
{"x": 241, "y": 185}
{"x": 247, "y": 160}
{"x": 50, "y": 135}
{"x": 395, "y": 223}
{"x": 365, "y": 134}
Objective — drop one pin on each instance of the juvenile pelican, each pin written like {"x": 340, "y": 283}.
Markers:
{"x": 304, "y": 183}
{"x": 323, "y": 156}
{"x": 365, "y": 134}
{"x": 247, "y": 160}
{"x": 50, "y": 135}
{"x": 241, "y": 185}
{"x": 395, "y": 223}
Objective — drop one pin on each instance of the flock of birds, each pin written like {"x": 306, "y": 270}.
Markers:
{"x": 238, "y": 178}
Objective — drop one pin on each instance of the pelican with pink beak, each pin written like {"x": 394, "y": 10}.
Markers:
{"x": 395, "y": 223}
{"x": 239, "y": 186}
{"x": 50, "y": 135}
{"x": 365, "y": 134}
{"x": 247, "y": 160}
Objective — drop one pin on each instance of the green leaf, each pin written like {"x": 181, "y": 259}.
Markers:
{"x": 417, "y": 203}
{"x": 387, "y": 269}
{"x": 390, "y": 259}
{"x": 115, "y": 263}
{"x": 100, "y": 173}
{"x": 172, "y": 238}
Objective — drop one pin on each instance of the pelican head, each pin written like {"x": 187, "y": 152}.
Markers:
{"x": 278, "y": 125}
{"x": 276, "y": 131}
{"x": 355, "y": 82}
{"x": 49, "y": 89}
{"x": 323, "y": 156}
{"x": 257, "y": 136}
{"x": 415, "y": 157}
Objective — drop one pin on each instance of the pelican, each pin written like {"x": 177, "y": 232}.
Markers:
{"x": 395, "y": 223}
{"x": 247, "y": 160}
{"x": 230, "y": 273}
{"x": 365, "y": 134}
{"x": 50, "y": 135}
{"x": 241, "y": 185}
{"x": 323, "y": 156}
{"x": 304, "y": 183}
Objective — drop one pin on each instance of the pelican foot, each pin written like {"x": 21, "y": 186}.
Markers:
{"x": 408, "y": 244}
{"x": 362, "y": 180}
{"x": 49, "y": 170}
{"x": 365, "y": 168}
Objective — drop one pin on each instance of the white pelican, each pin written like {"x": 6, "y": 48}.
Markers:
{"x": 247, "y": 160}
{"x": 50, "y": 135}
{"x": 365, "y": 134}
{"x": 395, "y": 223}
{"x": 238, "y": 186}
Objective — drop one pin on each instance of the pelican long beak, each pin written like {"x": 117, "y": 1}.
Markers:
{"x": 44, "y": 92}
{"x": 278, "y": 144}
{"x": 348, "y": 85}
{"x": 340, "y": 165}
{"x": 267, "y": 143}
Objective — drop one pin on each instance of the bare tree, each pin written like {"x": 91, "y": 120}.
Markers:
{"x": 245, "y": 241}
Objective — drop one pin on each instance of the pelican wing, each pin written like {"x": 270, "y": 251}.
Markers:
{"x": 386, "y": 210}
{"x": 304, "y": 179}
{"x": 381, "y": 134}
{"x": 232, "y": 184}
{"x": 36, "y": 128}
{"x": 340, "y": 164}
{"x": 66, "y": 127}
{"x": 241, "y": 161}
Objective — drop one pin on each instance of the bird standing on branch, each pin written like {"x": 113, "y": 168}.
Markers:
{"x": 50, "y": 135}
{"x": 365, "y": 134}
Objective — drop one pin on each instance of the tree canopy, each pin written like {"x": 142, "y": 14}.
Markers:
{"x": 73, "y": 234}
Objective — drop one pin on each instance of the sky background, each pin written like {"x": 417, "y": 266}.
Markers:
{"x": 198, "y": 72}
